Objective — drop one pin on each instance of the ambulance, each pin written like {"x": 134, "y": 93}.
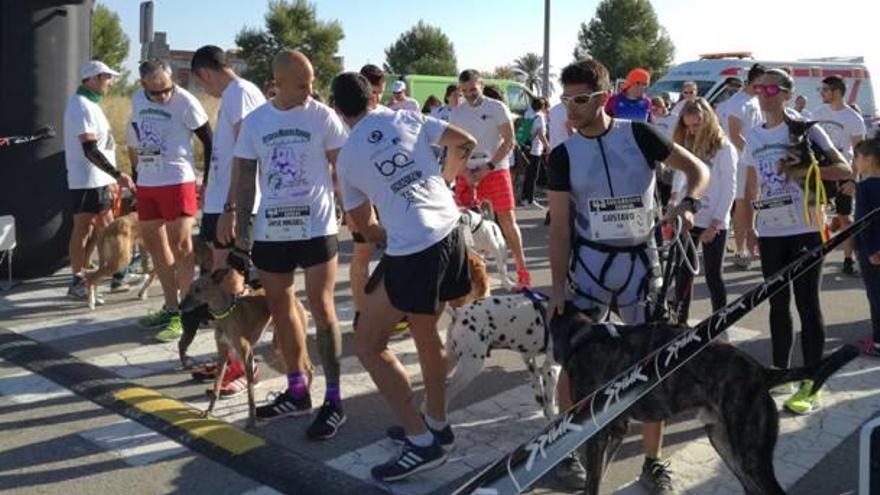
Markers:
{"x": 712, "y": 71}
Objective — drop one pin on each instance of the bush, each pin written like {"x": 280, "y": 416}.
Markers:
{"x": 118, "y": 111}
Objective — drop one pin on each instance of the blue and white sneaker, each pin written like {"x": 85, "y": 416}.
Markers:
{"x": 444, "y": 437}
{"x": 412, "y": 459}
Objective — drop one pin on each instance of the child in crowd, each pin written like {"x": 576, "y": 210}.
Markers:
{"x": 867, "y": 165}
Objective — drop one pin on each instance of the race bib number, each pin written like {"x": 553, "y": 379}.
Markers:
{"x": 288, "y": 223}
{"x": 776, "y": 213}
{"x": 619, "y": 218}
{"x": 149, "y": 158}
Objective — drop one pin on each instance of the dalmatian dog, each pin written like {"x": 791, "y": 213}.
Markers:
{"x": 484, "y": 237}
{"x": 517, "y": 322}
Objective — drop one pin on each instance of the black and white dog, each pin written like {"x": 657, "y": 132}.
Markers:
{"x": 484, "y": 237}
{"x": 729, "y": 388}
{"x": 513, "y": 321}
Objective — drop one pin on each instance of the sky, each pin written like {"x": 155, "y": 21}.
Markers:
{"x": 490, "y": 33}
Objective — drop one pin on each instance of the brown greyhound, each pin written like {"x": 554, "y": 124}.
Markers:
{"x": 239, "y": 322}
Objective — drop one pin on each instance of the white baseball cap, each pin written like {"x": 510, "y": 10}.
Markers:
{"x": 95, "y": 67}
{"x": 398, "y": 87}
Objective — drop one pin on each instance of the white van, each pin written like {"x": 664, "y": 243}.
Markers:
{"x": 712, "y": 71}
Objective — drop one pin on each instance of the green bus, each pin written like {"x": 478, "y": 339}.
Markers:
{"x": 421, "y": 87}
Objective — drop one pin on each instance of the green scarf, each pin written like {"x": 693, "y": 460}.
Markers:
{"x": 88, "y": 93}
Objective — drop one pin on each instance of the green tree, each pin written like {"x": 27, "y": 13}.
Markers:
{"x": 110, "y": 44}
{"x": 623, "y": 35}
{"x": 292, "y": 24}
{"x": 424, "y": 49}
{"x": 530, "y": 69}
{"x": 505, "y": 72}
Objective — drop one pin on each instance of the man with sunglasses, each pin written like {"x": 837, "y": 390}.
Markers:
{"x": 606, "y": 255}
{"x": 689, "y": 92}
{"x": 90, "y": 157}
{"x": 846, "y": 128}
{"x": 163, "y": 119}
{"x": 737, "y": 115}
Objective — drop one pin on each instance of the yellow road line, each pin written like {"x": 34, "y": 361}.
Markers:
{"x": 225, "y": 435}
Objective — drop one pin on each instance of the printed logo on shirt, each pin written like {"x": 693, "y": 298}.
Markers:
{"x": 375, "y": 137}
{"x": 289, "y": 135}
{"x": 156, "y": 113}
{"x": 150, "y": 134}
{"x": 767, "y": 158}
{"x": 286, "y": 173}
{"x": 398, "y": 161}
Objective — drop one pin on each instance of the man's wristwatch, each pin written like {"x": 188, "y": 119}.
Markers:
{"x": 228, "y": 207}
{"x": 490, "y": 165}
{"x": 690, "y": 204}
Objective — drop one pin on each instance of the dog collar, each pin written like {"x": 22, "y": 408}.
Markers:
{"x": 225, "y": 313}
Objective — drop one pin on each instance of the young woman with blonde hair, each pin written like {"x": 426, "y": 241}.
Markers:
{"x": 698, "y": 131}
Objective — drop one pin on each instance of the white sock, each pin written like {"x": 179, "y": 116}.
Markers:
{"x": 423, "y": 440}
{"x": 435, "y": 424}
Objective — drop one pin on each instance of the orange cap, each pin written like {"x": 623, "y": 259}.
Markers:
{"x": 637, "y": 75}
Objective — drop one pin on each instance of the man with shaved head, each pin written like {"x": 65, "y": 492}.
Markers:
{"x": 290, "y": 144}
{"x": 163, "y": 120}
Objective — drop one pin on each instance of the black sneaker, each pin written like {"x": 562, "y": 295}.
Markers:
{"x": 412, "y": 459}
{"x": 849, "y": 266}
{"x": 444, "y": 437}
{"x": 570, "y": 472}
{"x": 330, "y": 419}
{"x": 283, "y": 405}
{"x": 656, "y": 477}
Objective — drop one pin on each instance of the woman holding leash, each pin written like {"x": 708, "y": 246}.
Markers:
{"x": 785, "y": 226}
{"x": 699, "y": 132}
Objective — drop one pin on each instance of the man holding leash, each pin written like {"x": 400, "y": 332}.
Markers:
{"x": 163, "y": 120}
{"x": 290, "y": 143}
{"x": 606, "y": 169}
{"x": 90, "y": 156}
{"x": 238, "y": 97}
{"x": 389, "y": 162}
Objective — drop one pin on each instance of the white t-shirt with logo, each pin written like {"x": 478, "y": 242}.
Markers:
{"x": 163, "y": 139}
{"x": 388, "y": 160}
{"x": 483, "y": 121}
{"x": 291, "y": 148}
{"x": 239, "y": 99}
{"x": 780, "y": 203}
{"x": 841, "y": 126}
{"x": 83, "y": 116}
{"x": 745, "y": 108}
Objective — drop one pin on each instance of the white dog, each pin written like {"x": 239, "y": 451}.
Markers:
{"x": 484, "y": 237}
{"x": 514, "y": 322}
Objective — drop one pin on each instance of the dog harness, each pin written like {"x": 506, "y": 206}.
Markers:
{"x": 539, "y": 301}
{"x": 221, "y": 315}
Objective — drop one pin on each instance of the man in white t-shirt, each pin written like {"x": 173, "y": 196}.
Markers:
{"x": 290, "y": 143}
{"x": 399, "y": 99}
{"x": 846, "y": 128}
{"x": 238, "y": 97}
{"x": 742, "y": 112}
{"x": 90, "y": 157}
{"x": 388, "y": 162}
{"x": 164, "y": 118}
{"x": 487, "y": 176}
{"x": 538, "y": 152}
{"x": 559, "y": 128}
{"x": 800, "y": 105}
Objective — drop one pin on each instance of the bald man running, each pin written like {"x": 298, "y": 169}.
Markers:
{"x": 290, "y": 143}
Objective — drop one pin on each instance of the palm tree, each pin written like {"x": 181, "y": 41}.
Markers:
{"x": 505, "y": 72}
{"x": 529, "y": 67}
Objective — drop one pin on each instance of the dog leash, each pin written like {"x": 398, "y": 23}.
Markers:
{"x": 814, "y": 173}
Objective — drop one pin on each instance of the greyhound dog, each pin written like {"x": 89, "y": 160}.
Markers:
{"x": 729, "y": 388}
{"x": 239, "y": 322}
{"x": 484, "y": 237}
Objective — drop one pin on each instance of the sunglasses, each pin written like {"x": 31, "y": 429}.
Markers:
{"x": 770, "y": 89}
{"x": 161, "y": 92}
{"x": 687, "y": 92}
{"x": 578, "y": 100}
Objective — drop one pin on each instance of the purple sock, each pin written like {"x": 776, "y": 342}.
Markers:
{"x": 333, "y": 394}
{"x": 296, "y": 385}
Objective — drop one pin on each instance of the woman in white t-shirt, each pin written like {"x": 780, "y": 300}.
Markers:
{"x": 700, "y": 133}
{"x": 783, "y": 233}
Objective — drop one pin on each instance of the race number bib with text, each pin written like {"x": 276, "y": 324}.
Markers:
{"x": 619, "y": 218}
{"x": 777, "y": 212}
{"x": 287, "y": 223}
